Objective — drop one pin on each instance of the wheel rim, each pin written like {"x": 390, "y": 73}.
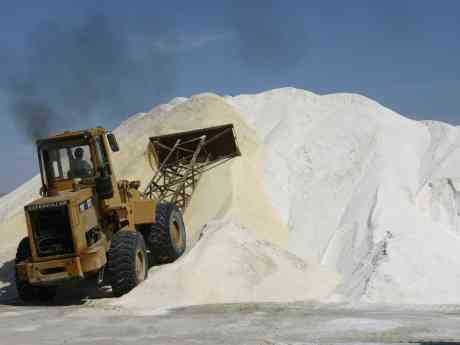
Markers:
{"x": 140, "y": 265}
{"x": 176, "y": 235}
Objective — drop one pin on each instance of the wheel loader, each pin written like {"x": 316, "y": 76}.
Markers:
{"x": 89, "y": 225}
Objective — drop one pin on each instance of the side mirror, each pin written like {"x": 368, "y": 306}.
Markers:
{"x": 113, "y": 142}
{"x": 104, "y": 187}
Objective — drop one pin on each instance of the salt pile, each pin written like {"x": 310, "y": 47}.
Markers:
{"x": 230, "y": 265}
{"x": 335, "y": 196}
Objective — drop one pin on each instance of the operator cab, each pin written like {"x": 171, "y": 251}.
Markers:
{"x": 73, "y": 156}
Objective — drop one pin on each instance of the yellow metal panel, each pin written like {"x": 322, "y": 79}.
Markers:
{"x": 144, "y": 211}
{"x": 21, "y": 271}
{"x": 69, "y": 268}
{"x": 93, "y": 260}
{"x": 73, "y": 268}
{"x": 30, "y": 234}
{"x": 89, "y": 218}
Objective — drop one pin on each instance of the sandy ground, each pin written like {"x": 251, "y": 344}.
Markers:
{"x": 239, "y": 324}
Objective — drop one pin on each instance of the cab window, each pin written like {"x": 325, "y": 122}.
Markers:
{"x": 64, "y": 162}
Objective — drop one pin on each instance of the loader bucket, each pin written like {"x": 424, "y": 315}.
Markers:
{"x": 212, "y": 144}
{"x": 181, "y": 158}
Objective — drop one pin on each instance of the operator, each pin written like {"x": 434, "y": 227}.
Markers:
{"x": 80, "y": 167}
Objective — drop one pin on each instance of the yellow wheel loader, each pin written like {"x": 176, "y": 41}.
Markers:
{"x": 89, "y": 224}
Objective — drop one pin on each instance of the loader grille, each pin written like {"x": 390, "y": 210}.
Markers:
{"x": 52, "y": 231}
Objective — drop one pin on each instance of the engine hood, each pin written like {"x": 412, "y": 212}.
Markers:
{"x": 66, "y": 197}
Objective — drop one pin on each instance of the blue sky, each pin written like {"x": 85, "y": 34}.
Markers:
{"x": 404, "y": 54}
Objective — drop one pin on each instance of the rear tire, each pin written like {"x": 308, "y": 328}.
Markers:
{"x": 126, "y": 262}
{"x": 166, "y": 238}
{"x": 26, "y": 291}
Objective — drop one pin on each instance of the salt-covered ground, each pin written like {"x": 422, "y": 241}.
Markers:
{"x": 336, "y": 198}
{"x": 238, "y": 324}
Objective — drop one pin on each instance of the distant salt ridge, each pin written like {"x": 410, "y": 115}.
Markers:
{"x": 347, "y": 174}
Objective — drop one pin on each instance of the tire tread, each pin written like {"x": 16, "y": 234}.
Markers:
{"x": 158, "y": 236}
{"x": 121, "y": 261}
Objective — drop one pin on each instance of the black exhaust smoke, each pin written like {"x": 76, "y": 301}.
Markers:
{"x": 95, "y": 72}
{"x": 71, "y": 76}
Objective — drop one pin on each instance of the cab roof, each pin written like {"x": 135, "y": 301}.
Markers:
{"x": 90, "y": 132}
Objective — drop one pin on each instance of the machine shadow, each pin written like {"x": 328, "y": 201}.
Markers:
{"x": 8, "y": 294}
{"x": 75, "y": 293}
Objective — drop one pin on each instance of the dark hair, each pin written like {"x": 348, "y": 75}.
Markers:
{"x": 79, "y": 152}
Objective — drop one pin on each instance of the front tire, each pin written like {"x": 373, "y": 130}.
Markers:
{"x": 166, "y": 238}
{"x": 126, "y": 262}
{"x": 26, "y": 291}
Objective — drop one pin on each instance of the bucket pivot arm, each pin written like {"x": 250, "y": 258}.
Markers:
{"x": 181, "y": 159}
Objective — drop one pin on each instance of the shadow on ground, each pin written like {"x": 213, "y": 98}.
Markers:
{"x": 74, "y": 293}
{"x": 7, "y": 287}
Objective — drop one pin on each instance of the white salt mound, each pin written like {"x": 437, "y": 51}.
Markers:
{"x": 364, "y": 192}
{"x": 230, "y": 265}
{"x": 334, "y": 195}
